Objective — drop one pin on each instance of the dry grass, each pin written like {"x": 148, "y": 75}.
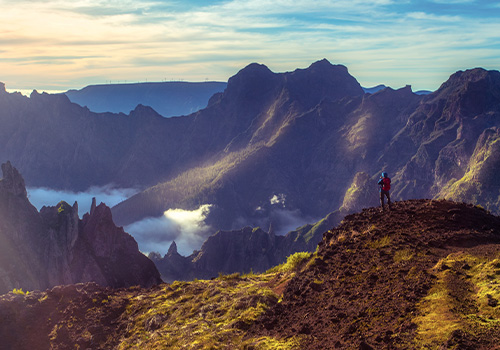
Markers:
{"x": 203, "y": 315}
{"x": 440, "y": 313}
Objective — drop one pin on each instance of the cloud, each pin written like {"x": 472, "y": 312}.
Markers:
{"x": 278, "y": 199}
{"x": 109, "y": 195}
{"x": 187, "y": 228}
{"x": 194, "y": 40}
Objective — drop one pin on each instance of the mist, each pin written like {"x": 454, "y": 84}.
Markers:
{"x": 186, "y": 227}
{"x": 109, "y": 195}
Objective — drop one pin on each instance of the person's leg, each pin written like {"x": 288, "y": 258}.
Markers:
{"x": 388, "y": 194}
{"x": 382, "y": 199}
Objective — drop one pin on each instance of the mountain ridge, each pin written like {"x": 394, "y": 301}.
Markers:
{"x": 167, "y": 98}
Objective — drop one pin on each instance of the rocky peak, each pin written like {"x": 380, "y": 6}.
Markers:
{"x": 322, "y": 80}
{"x": 252, "y": 83}
{"x": 2, "y": 88}
{"x": 471, "y": 92}
{"x": 142, "y": 113}
{"x": 93, "y": 206}
{"x": 172, "y": 250}
{"x": 12, "y": 181}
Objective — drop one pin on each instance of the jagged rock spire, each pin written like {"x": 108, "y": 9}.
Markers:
{"x": 172, "y": 249}
{"x": 12, "y": 181}
{"x": 93, "y": 206}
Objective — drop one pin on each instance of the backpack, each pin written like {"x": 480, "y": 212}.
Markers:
{"x": 386, "y": 184}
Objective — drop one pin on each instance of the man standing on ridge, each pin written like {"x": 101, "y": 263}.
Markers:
{"x": 385, "y": 186}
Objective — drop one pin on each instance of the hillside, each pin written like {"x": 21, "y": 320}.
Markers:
{"x": 167, "y": 98}
{"x": 424, "y": 276}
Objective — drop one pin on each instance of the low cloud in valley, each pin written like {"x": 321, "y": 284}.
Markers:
{"x": 109, "y": 195}
{"x": 186, "y": 227}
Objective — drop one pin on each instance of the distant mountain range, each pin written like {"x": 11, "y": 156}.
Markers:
{"x": 271, "y": 144}
{"x": 167, "y": 98}
{"x": 377, "y": 88}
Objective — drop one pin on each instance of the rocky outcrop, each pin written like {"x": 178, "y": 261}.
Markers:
{"x": 241, "y": 251}
{"x": 42, "y": 249}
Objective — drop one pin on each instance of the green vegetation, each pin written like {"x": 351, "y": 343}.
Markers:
{"x": 465, "y": 298}
{"x": 293, "y": 263}
{"x": 480, "y": 182}
{"x": 380, "y": 243}
{"x": 19, "y": 291}
{"x": 211, "y": 314}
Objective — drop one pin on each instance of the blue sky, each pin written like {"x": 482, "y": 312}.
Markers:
{"x": 57, "y": 45}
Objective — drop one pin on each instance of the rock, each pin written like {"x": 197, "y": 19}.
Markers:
{"x": 12, "y": 181}
{"x": 365, "y": 346}
{"x": 40, "y": 250}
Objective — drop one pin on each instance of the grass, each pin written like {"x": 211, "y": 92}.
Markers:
{"x": 440, "y": 313}
{"x": 212, "y": 314}
{"x": 403, "y": 255}
{"x": 293, "y": 263}
{"x": 380, "y": 243}
{"x": 19, "y": 291}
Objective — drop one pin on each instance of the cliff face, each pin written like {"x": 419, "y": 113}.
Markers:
{"x": 53, "y": 246}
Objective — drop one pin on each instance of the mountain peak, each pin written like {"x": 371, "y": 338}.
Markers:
{"x": 12, "y": 180}
{"x": 256, "y": 68}
{"x": 324, "y": 64}
{"x": 474, "y": 75}
{"x": 172, "y": 250}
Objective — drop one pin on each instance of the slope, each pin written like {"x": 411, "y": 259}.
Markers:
{"x": 425, "y": 276}
{"x": 295, "y": 144}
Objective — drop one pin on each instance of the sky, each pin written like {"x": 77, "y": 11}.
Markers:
{"x": 56, "y": 45}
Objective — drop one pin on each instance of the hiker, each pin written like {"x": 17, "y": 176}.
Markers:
{"x": 385, "y": 186}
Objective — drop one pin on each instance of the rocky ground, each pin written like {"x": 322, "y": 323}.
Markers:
{"x": 425, "y": 275}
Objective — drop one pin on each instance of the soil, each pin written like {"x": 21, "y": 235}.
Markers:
{"x": 362, "y": 289}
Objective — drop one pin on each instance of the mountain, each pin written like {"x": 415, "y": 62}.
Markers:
{"x": 312, "y": 151}
{"x": 374, "y": 89}
{"x": 240, "y": 251}
{"x": 43, "y": 249}
{"x": 272, "y": 145}
{"x": 424, "y": 276}
{"x": 166, "y": 98}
